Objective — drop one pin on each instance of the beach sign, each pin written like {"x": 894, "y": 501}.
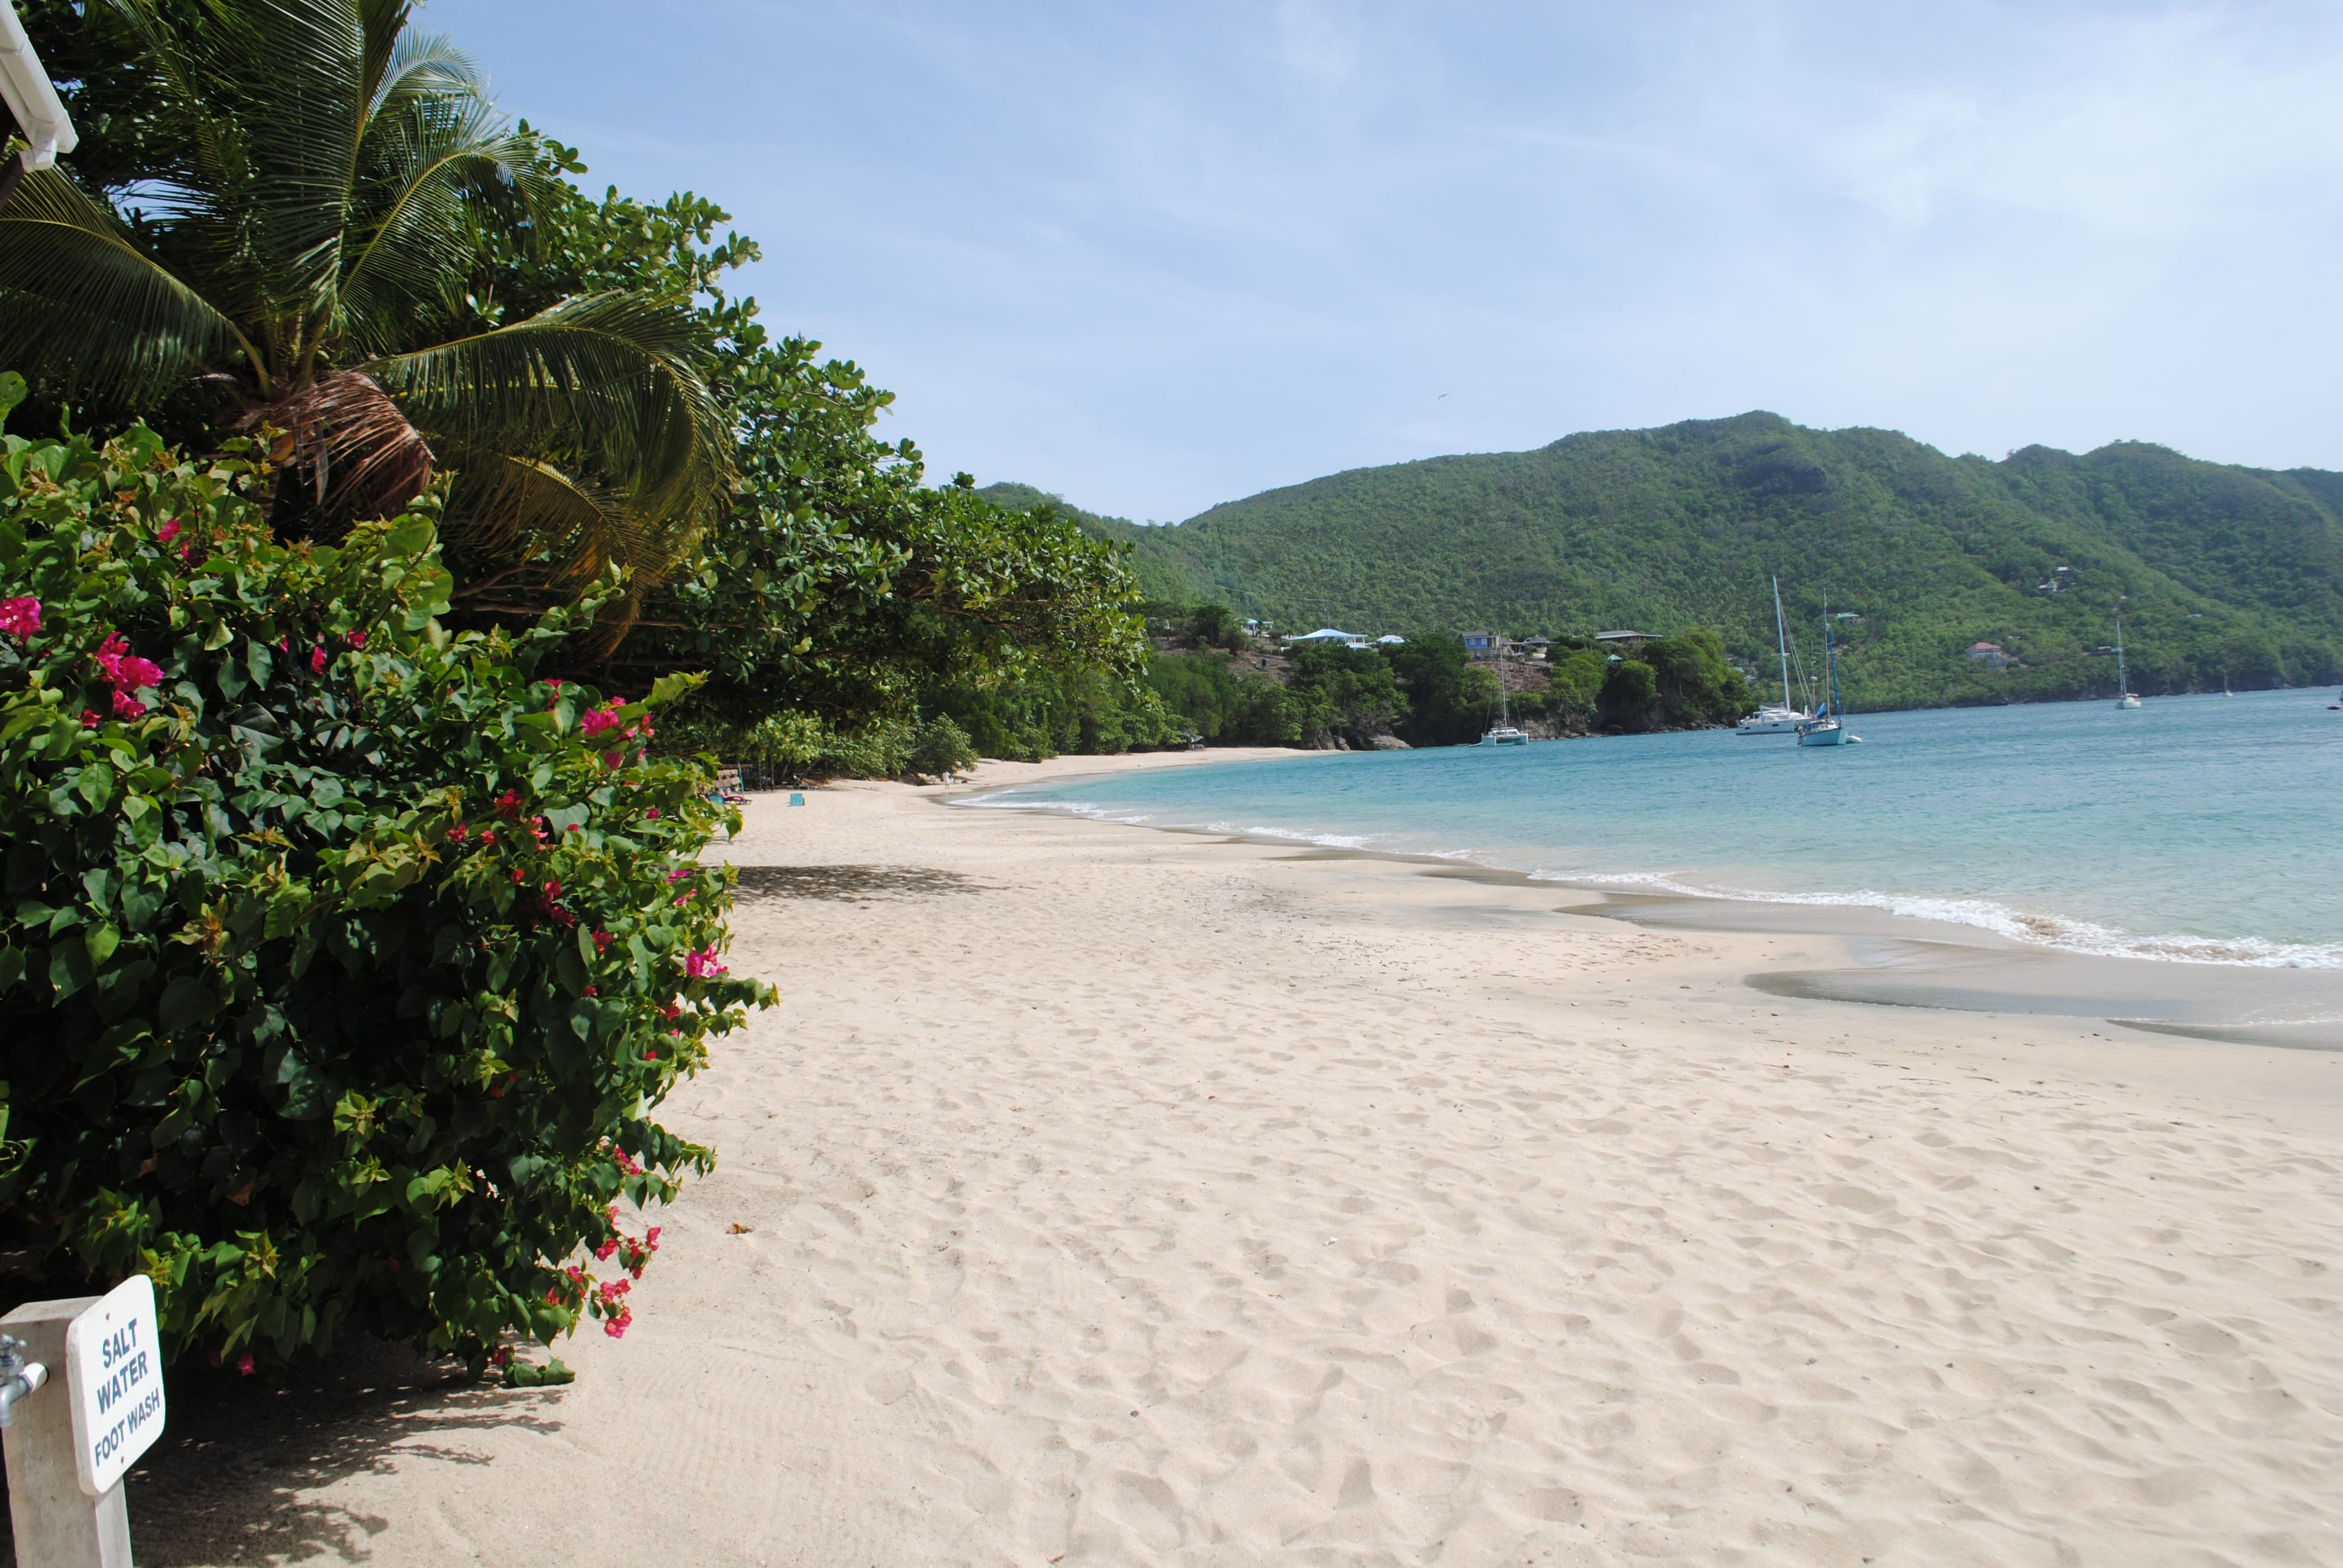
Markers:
{"x": 114, "y": 1372}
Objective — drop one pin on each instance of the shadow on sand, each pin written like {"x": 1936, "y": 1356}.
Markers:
{"x": 848, "y": 882}
{"x": 233, "y": 1479}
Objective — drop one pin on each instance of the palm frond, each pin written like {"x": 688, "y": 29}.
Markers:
{"x": 80, "y": 299}
{"x": 517, "y": 508}
{"x": 344, "y": 439}
{"x": 421, "y": 65}
{"x": 605, "y": 381}
{"x": 412, "y": 241}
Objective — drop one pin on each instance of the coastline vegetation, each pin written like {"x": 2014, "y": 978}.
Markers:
{"x": 2223, "y": 574}
{"x": 418, "y": 531}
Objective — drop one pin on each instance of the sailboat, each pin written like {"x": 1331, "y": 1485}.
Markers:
{"x": 1827, "y": 729}
{"x": 2127, "y": 697}
{"x": 1503, "y": 732}
{"x": 1777, "y": 718}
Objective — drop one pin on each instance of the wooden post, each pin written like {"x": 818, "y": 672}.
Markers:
{"x": 57, "y": 1524}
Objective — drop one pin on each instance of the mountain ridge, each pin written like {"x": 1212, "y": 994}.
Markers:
{"x": 2222, "y": 572}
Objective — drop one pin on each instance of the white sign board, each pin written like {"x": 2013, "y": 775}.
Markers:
{"x": 114, "y": 1370}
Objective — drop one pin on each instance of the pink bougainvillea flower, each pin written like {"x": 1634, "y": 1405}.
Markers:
{"x": 602, "y": 1253}
{"x": 703, "y": 962}
{"x": 617, "y": 1327}
{"x": 651, "y": 1240}
{"x": 126, "y": 706}
{"x": 488, "y": 839}
{"x": 652, "y": 813}
{"x": 355, "y": 638}
{"x": 458, "y": 832}
{"x": 602, "y": 941}
{"x": 318, "y": 658}
{"x": 168, "y": 531}
{"x": 20, "y": 616}
{"x": 244, "y": 1363}
{"x": 678, "y": 874}
{"x": 89, "y": 719}
{"x": 519, "y": 876}
{"x": 509, "y": 803}
{"x": 595, "y": 722}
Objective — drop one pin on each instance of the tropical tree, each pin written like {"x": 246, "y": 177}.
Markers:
{"x": 314, "y": 182}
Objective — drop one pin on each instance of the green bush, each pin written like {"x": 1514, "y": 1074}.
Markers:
{"x": 941, "y": 746}
{"x": 342, "y": 962}
{"x": 1224, "y": 703}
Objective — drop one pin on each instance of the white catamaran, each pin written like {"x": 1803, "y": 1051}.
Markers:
{"x": 1503, "y": 732}
{"x": 1781, "y": 717}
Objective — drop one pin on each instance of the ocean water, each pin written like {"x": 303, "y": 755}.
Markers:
{"x": 2198, "y": 830}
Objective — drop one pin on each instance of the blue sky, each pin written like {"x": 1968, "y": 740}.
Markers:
{"x": 1155, "y": 257}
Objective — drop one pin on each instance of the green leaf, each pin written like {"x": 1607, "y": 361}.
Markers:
{"x": 12, "y": 967}
{"x": 95, "y": 784}
{"x": 69, "y": 967}
{"x": 12, "y": 392}
{"x": 101, "y": 941}
{"x": 259, "y": 661}
{"x": 186, "y": 1001}
{"x": 552, "y": 1374}
{"x": 667, "y": 688}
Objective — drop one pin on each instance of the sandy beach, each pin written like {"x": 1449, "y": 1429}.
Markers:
{"x": 1099, "y": 1196}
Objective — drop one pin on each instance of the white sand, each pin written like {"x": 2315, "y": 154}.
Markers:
{"x": 1125, "y": 1197}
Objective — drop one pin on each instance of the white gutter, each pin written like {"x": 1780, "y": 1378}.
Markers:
{"x": 31, "y": 97}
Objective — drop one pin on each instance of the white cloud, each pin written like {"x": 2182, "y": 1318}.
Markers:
{"x": 1156, "y": 258}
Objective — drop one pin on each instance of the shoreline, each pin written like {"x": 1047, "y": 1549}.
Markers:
{"x": 1099, "y": 1195}
{"x": 1895, "y": 958}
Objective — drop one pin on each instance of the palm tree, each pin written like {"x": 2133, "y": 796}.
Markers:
{"x": 327, "y": 173}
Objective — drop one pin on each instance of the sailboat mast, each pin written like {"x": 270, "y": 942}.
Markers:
{"x": 1830, "y": 651}
{"x": 2123, "y": 682}
{"x": 1781, "y": 643}
{"x": 1505, "y": 708}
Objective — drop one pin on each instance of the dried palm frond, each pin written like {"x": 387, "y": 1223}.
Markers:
{"x": 348, "y": 444}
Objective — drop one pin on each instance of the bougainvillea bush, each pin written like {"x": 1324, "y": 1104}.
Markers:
{"x": 343, "y": 961}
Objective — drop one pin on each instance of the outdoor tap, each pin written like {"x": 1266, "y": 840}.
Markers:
{"x": 18, "y": 1377}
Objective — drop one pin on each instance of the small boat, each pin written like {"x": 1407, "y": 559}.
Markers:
{"x": 1827, "y": 728}
{"x": 2128, "y": 697}
{"x": 1502, "y": 733}
{"x": 1781, "y": 717}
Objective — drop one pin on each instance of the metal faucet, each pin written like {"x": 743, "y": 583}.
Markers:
{"x": 18, "y": 1377}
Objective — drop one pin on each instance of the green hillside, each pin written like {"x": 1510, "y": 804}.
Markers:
{"x": 2223, "y": 572}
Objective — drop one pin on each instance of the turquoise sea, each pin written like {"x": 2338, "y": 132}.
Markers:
{"x": 2204, "y": 829}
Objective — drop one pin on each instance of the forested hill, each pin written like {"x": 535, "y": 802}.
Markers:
{"x": 2223, "y": 572}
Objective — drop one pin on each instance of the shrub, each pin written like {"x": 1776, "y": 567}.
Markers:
{"x": 342, "y": 962}
{"x": 941, "y": 748}
{"x": 1630, "y": 697}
